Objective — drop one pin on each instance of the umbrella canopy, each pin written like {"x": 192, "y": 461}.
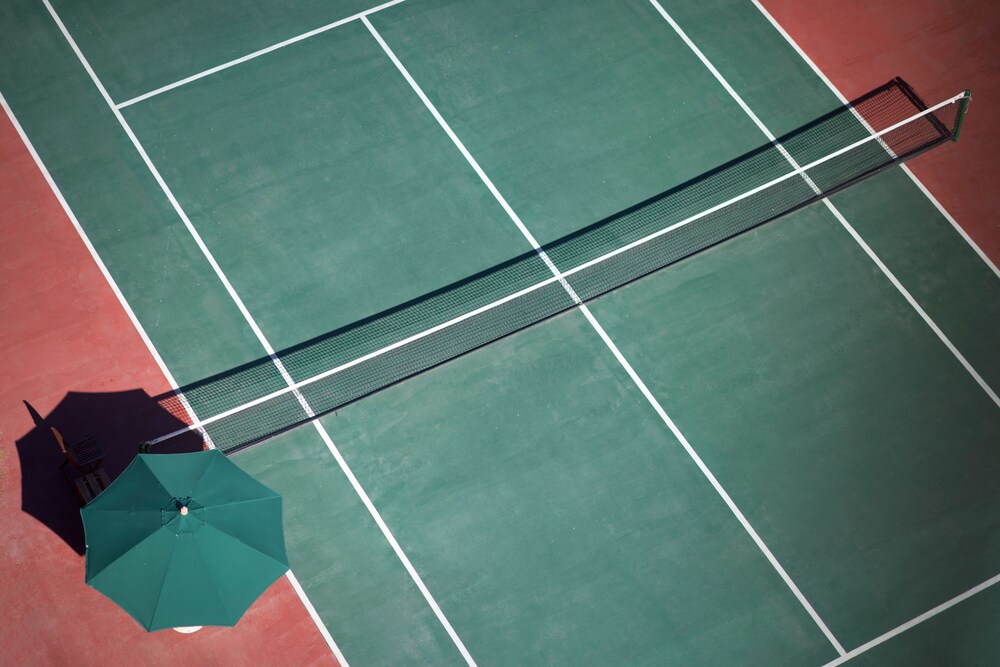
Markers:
{"x": 184, "y": 540}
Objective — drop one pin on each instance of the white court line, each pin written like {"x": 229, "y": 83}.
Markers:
{"x": 864, "y": 246}
{"x": 468, "y": 157}
{"x": 906, "y": 169}
{"x": 103, "y": 268}
{"x": 417, "y": 579}
{"x": 614, "y": 350}
{"x": 314, "y": 615}
{"x": 267, "y": 346}
{"x": 730, "y": 503}
{"x": 913, "y": 302}
{"x": 931, "y": 613}
{"x": 954, "y": 223}
{"x": 177, "y": 207}
{"x": 256, "y": 54}
{"x": 559, "y": 276}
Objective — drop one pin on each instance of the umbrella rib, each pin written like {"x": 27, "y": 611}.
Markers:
{"x": 221, "y": 598}
{"x": 241, "y": 542}
{"x": 201, "y": 476}
{"x": 163, "y": 584}
{"x": 240, "y": 502}
{"x": 117, "y": 558}
{"x": 103, "y": 499}
{"x": 153, "y": 531}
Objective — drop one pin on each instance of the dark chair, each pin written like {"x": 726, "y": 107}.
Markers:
{"x": 86, "y": 456}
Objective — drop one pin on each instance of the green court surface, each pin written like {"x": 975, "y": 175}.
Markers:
{"x": 764, "y": 454}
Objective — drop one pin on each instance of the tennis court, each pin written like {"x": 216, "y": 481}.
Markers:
{"x": 778, "y": 450}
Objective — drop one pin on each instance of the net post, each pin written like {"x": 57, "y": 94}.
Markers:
{"x": 962, "y": 106}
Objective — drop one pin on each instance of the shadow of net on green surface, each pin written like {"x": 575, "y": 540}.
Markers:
{"x": 256, "y": 401}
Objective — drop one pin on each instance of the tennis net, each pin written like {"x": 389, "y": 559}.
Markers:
{"x": 269, "y": 396}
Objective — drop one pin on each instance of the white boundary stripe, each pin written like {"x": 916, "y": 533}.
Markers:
{"x": 913, "y": 302}
{"x": 771, "y": 558}
{"x": 314, "y": 615}
{"x": 107, "y": 274}
{"x": 931, "y": 613}
{"x": 395, "y": 545}
{"x": 256, "y": 54}
{"x": 763, "y": 128}
{"x": 954, "y": 223}
{"x": 97, "y": 260}
{"x": 468, "y": 157}
{"x": 617, "y": 353}
{"x": 264, "y": 342}
{"x": 913, "y": 177}
{"x": 558, "y": 276}
{"x": 173, "y": 200}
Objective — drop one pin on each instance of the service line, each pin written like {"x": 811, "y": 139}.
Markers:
{"x": 255, "y": 54}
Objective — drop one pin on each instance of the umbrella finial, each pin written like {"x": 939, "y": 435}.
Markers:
{"x": 184, "y": 510}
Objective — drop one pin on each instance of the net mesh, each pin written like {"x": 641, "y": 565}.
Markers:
{"x": 254, "y": 402}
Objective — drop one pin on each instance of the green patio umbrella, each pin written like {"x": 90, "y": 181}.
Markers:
{"x": 184, "y": 540}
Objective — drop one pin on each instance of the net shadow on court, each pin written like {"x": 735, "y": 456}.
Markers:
{"x": 258, "y": 400}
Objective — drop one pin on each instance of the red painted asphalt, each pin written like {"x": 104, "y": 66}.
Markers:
{"x": 940, "y": 47}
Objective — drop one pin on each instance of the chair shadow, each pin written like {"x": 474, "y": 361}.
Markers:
{"x": 118, "y": 420}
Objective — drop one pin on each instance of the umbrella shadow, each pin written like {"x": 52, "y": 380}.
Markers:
{"x": 119, "y": 421}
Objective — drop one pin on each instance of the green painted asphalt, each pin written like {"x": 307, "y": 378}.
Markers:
{"x": 868, "y": 475}
{"x": 326, "y": 190}
{"x": 962, "y": 636}
{"x": 559, "y": 522}
{"x": 372, "y": 608}
{"x": 575, "y": 110}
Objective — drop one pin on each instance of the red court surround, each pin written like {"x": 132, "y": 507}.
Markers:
{"x": 940, "y": 47}
{"x": 61, "y": 330}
